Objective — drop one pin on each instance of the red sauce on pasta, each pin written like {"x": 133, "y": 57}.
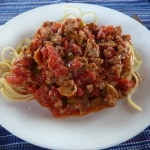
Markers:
{"x": 74, "y": 68}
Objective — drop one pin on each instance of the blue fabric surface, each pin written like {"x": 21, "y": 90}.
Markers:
{"x": 12, "y": 8}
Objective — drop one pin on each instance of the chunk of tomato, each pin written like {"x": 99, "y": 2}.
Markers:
{"x": 54, "y": 94}
{"x": 55, "y": 62}
{"x": 16, "y": 79}
{"x": 125, "y": 84}
{"x": 75, "y": 64}
{"x": 79, "y": 92}
{"x": 88, "y": 77}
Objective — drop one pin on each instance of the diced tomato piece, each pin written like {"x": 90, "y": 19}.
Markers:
{"x": 95, "y": 92}
{"x": 50, "y": 49}
{"x": 105, "y": 31}
{"x": 61, "y": 70}
{"x": 79, "y": 92}
{"x": 75, "y": 64}
{"x": 78, "y": 82}
{"x": 16, "y": 70}
{"x": 125, "y": 84}
{"x": 44, "y": 52}
{"x": 88, "y": 77}
{"x": 16, "y": 79}
{"x": 54, "y": 57}
{"x": 66, "y": 45}
{"x": 55, "y": 62}
{"x": 25, "y": 62}
{"x": 109, "y": 29}
{"x": 75, "y": 49}
{"x": 35, "y": 44}
{"x": 54, "y": 29}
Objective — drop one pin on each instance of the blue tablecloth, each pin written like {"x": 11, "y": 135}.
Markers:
{"x": 12, "y": 8}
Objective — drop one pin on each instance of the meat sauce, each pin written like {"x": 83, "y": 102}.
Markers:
{"x": 74, "y": 68}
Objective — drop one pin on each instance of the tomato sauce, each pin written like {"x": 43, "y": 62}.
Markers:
{"x": 74, "y": 68}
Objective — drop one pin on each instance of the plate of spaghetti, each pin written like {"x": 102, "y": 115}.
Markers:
{"x": 78, "y": 79}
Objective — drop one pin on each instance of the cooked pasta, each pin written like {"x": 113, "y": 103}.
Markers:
{"x": 75, "y": 12}
{"x": 8, "y": 56}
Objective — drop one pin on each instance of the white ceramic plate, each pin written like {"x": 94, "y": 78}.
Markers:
{"x": 106, "y": 128}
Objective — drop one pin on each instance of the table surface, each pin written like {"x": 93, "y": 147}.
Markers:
{"x": 12, "y": 8}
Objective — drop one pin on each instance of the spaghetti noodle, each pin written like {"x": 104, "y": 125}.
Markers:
{"x": 8, "y": 56}
{"x": 75, "y": 12}
{"x": 72, "y": 68}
